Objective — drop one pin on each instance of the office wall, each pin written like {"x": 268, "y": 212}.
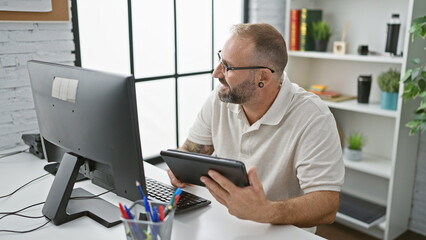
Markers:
{"x": 20, "y": 42}
{"x": 418, "y": 212}
{"x": 268, "y": 11}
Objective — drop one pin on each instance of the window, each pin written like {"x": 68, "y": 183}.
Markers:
{"x": 168, "y": 45}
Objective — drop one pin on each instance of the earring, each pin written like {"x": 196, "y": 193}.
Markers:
{"x": 260, "y": 84}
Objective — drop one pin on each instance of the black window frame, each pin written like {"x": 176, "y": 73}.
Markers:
{"x": 176, "y": 75}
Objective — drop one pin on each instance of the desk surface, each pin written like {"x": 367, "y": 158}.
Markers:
{"x": 212, "y": 222}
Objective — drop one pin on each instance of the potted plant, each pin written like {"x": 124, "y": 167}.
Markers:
{"x": 415, "y": 80}
{"x": 353, "y": 150}
{"x": 321, "y": 34}
{"x": 389, "y": 84}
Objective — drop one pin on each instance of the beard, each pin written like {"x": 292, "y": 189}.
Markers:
{"x": 240, "y": 94}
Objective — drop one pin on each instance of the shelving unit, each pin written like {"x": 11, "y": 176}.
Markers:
{"x": 370, "y": 108}
{"x": 375, "y": 165}
{"x": 347, "y": 57}
{"x": 385, "y": 174}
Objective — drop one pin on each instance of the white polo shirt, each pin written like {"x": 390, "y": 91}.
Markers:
{"x": 295, "y": 145}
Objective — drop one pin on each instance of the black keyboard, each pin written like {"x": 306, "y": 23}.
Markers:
{"x": 163, "y": 193}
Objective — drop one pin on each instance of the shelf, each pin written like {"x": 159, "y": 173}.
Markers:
{"x": 370, "y": 108}
{"x": 342, "y": 217}
{"x": 346, "y": 57}
{"x": 371, "y": 164}
{"x": 360, "y": 212}
{"x": 382, "y": 225}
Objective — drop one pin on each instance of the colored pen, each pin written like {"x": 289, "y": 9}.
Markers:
{"x": 138, "y": 185}
{"x": 148, "y": 208}
{"x": 161, "y": 212}
{"x": 135, "y": 227}
{"x": 176, "y": 201}
{"x": 178, "y": 191}
{"x": 125, "y": 216}
{"x": 167, "y": 210}
{"x": 123, "y": 212}
{"x": 155, "y": 214}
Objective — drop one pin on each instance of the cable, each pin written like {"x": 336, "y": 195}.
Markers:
{"x": 10, "y": 194}
{"x": 25, "y": 231}
{"x": 36, "y": 204}
{"x": 89, "y": 197}
{"x": 20, "y": 210}
{"x": 27, "y": 216}
{"x": 15, "y": 213}
{"x": 2, "y": 155}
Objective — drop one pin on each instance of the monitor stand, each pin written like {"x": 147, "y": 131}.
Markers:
{"x": 52, "y": 168}
{"x": 59, "y": 208}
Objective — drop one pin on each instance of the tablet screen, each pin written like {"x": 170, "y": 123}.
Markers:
{"x": 189, "y": 167}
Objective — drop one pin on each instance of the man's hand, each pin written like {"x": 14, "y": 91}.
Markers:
{"x": 174, "y": 181}
{"x": 245, "y": 203}
{"x": 250, "y": 202}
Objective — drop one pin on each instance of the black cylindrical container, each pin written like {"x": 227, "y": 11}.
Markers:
{"x": 393, "y": 34}
{"x": 364, "y": 87}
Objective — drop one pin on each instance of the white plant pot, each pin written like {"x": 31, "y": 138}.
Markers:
{"x": 353, "y": 155}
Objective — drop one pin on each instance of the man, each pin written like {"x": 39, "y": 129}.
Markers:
{"x": 286, "y": 135}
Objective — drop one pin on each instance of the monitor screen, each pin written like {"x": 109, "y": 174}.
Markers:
{"x": 92, "y": 115}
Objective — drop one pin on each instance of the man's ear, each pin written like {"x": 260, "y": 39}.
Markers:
{"x": 264, "y": 75}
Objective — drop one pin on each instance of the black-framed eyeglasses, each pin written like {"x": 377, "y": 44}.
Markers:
{"x": 219, "y": 55}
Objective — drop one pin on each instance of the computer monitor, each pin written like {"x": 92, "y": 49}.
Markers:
{"x": 93, "y": 116}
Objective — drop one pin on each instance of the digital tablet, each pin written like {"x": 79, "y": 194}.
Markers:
{"x": 188, "y": 167}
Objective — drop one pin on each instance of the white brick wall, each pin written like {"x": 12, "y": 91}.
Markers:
{"x": 19, "y": 43}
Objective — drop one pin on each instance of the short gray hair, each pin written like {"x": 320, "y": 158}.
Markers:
{"x": 269, "y": 43}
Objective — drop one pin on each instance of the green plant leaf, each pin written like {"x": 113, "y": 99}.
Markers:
{"x": 416, "y": 34}
{"x": 416, "y": 61}
{"x": 422, "y": 84}
{"x": 406, "y": 96}
{"x": 420, "y": 117}
{"x": 419, "y": 20}
{"x": 414, "y": 130}
{"x": 423, "y": 127}
{"x": 356, "y": 141}
{"x": 408, "y": 87}
{"x": 415, "y": 91}
{"x": 407, "y": 75}
{"x": 415, "y": 73}
{"x": 414, "y": 28}
{"x": 412, "y": 124}
{"x": 422, "y": 107}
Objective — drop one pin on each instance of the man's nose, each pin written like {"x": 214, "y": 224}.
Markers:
{"x": 218, "y": 72}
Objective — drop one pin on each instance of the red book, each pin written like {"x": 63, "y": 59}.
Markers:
{"x": 294, "y": 29}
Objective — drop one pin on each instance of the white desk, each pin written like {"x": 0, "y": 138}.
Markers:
{"x": 212, "y": 222}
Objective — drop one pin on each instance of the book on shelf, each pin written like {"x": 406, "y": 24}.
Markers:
{"x": 294, "y": 29}
{"x": 325, "y": 95}
{"x": 307, "y": 17}
{"x": 364, "y": 213}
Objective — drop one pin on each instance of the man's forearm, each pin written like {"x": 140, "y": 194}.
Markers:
{"x": 308, "y": 210}
{"x": 189, "y": 146}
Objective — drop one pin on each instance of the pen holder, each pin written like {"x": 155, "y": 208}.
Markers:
{"x": 142, "y": 228}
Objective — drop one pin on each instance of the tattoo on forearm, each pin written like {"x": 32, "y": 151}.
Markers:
{"x": 198, "y": 148}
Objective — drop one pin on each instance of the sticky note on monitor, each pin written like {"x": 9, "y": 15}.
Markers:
{"x": 65, "y": 89}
